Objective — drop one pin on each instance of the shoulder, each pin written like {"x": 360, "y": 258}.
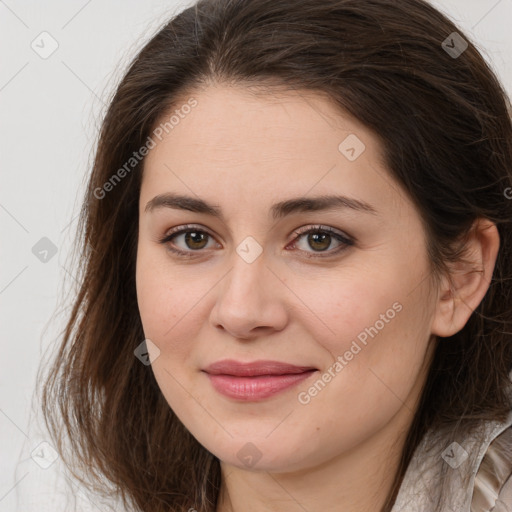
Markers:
{"x": 456, "y": 471}
{"x": 493, "y": 481}
{"x": 492, "y": 490}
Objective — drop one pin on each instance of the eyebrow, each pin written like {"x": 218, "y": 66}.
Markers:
{"x": 278, "y": 210}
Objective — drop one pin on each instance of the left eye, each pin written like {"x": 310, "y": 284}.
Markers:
{"x": 318, "y": 238}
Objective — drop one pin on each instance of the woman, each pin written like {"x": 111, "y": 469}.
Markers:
{"x": 296, "y": 254}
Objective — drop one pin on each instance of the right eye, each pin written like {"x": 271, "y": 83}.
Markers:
{"x": 194, "y": 240}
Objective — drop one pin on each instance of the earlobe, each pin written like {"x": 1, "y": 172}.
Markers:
{"x": 463, "y": 290}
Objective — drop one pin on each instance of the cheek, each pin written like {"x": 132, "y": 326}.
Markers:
{"x": 371, "y": 325}
{"x": 337, "y": 310}
{"x": 152, "y": 296}
{"x": 375, "y": 377}
{"x": 171, "y": 305}
{"x": 157, "y": 296}
{"x": 165, "y": 315}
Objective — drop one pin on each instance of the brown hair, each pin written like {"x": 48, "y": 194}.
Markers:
{"x": 447, "y": 139}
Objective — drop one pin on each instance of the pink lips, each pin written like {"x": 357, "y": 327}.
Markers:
{"x": 256, "y": 380}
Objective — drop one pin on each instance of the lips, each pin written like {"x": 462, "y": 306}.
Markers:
{"x": 257, "y": 380}
{"x": 255, "y": 368}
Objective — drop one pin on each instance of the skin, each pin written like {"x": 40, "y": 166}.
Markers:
{"x": 244, "y": 153}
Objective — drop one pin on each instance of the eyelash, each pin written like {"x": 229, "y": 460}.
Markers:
{"x": 346, "y": 241}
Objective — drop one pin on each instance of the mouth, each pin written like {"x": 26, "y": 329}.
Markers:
{"x": 255, "y": 368}
{"x": 257, "y": 380}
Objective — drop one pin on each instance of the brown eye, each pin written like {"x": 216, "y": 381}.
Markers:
{"x": 187, "y": 240}
{"x": 195, "y": 239}
{"x": 320, "y": 238}
{"x": 319, "y": 241}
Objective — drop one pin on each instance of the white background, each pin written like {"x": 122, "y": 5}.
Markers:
{"x": 50, "y": 111}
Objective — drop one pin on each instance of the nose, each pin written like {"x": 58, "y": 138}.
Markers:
{"x": 250, "y": 300}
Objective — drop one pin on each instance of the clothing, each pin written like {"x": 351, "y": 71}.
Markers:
{"x": 435, "y": 475}
{"x": 485, "y": 461}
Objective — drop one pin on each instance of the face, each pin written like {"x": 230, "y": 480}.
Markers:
{"x": 342, "y": 289}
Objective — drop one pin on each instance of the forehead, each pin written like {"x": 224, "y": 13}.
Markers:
{"x": 240, "y": 120}
{"x": 254, "y": 148}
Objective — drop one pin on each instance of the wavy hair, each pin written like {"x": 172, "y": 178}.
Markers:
{"x": 446, "y": 132}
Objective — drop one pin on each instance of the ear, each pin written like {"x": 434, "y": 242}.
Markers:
{"x": 462, "y": 291}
